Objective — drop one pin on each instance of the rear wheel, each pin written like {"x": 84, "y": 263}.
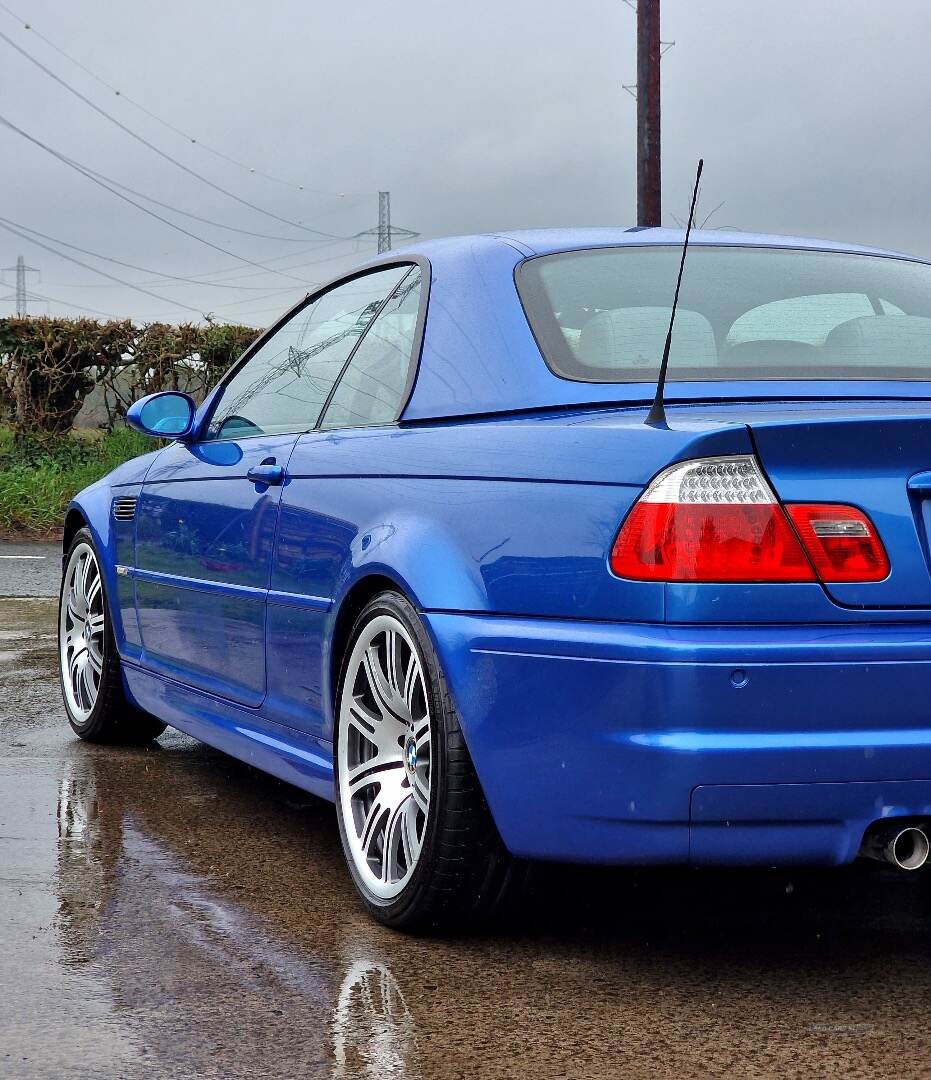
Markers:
{"x": 422, "y": 849}
{"x": 89, "y": 666}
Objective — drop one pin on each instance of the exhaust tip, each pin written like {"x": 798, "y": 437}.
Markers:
{"x": 905, "y": 846}
{"x": 910, "y": 848}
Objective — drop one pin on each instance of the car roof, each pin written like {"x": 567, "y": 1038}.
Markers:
{"x": 549, "y": 241}
{"x": 479, "y": 354}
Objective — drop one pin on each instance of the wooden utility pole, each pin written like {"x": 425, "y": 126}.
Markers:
{"x": 648, "y": 114}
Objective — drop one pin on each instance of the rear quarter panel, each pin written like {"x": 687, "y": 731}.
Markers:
{"x": 508, "y": 517}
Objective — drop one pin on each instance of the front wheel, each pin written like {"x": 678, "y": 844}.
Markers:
{"x": 89, "y": 666}
{"x": 422, "y": 849}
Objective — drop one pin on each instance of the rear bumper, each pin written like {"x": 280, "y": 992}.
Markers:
{"x": 654, "y": 743}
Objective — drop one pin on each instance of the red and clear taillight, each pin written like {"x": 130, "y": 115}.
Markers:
{"x": 718, "y": 520}
{"x": 841, "y": 542}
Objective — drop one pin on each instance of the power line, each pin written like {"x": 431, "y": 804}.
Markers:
{"x": 195, "y": 217}
{"x": 155, "y": 149}
{"x": 119, "y": 262}
{"x": 197, "y": 279}
{"x": 171, "y": 127}
{"x": 296, "y": 266}
{"x": 103, "y": 273}
{"x": 32, "y": 295}
{"x": 77, "y": 307}
{"x": 158, "y": 217}
{"x": 268, "y": 296}
{"x": 263, "y": 311}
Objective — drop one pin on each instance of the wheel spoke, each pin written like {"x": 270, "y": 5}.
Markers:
{"x": 78, "y": 604}
{"x": 406, "y": 848}
{"x": 378, "y": 684}
{"x": 96, "y": 624}
{"x": 411, "y": 681}
{"x": 85, "y": 579}
{"x": 94, "y": 660}
{"x": 73, "y": 611}
{"x": 377, "y": 732}
{"x": 391, "y": 661}
{"x": 420, "y": 792}
{"x": 368, "y": 831}
{"x": 87, "y": 684}
{"x": 80, "y": 688}
{"x": 394, "y": 831}
{"x": 409, "y": 837}
{"x": 363, "y": 719}
{"x": 371, "y": 772}
{"x": 93, "y": 591}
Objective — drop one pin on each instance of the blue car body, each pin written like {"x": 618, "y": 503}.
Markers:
{"x": 609, "y": 720}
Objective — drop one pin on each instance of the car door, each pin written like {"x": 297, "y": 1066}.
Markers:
{"x": 326, "y": 505}
{"x": 208, "y": 511}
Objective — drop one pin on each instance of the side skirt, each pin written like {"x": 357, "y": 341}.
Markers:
{"x": 289, "y": 754}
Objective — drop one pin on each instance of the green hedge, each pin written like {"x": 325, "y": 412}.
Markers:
{"x": 40, "y": 476}
{"x": 48, "y": 366}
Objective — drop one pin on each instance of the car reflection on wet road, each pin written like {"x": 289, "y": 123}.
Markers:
{"x": 170, "y": 912}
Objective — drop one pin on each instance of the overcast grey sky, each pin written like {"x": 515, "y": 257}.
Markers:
{"x": 813, "y": 116}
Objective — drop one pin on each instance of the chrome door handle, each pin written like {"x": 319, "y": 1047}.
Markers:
{"x": 266, "y": 474}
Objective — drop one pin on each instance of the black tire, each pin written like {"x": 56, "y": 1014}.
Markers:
{"x": 464, "y": 875}
{"x": 112, "y": 719}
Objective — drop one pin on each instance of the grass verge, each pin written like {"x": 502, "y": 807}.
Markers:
{"x": 40, "y": 476}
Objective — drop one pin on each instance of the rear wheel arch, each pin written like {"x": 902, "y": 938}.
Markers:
{"x": 463, "y": 872}
{"x": 350, "y": 607}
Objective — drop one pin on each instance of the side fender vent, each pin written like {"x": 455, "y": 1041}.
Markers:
{"x": 124, "y": 508}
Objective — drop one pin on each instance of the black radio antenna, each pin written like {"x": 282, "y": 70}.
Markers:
{"x": 656, "y": 417}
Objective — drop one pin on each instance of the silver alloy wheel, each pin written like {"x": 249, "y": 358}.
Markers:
{"x": 384, "y": 756}
{"x": 81, "y": 632}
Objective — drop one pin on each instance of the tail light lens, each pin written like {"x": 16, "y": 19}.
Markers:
{"x": 841, "y": 542}
{"x": 715, "y": 519}
{"x": 718, "y": 520}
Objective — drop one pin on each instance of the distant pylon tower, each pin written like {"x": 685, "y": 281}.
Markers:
{"x": 385, "y": 230}
{"x": 384, "y": 221}
{"x": 21, "y": 295}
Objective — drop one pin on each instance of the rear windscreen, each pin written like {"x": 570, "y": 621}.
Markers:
{"x": 744, "y": 313}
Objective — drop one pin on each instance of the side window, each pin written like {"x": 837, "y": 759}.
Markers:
{"x": 373, "y": 385}
{"x": 283, "y": 386}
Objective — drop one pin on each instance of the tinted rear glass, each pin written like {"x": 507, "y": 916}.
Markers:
{"x": 744, "y": 313}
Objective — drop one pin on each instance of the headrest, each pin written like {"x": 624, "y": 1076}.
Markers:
{"x": 634, "y": 337}
{"x": 880, "y": 339}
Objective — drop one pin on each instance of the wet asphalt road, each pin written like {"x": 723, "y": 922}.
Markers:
{"x": 168, "y": 912}
{"x": 29, "y": 569}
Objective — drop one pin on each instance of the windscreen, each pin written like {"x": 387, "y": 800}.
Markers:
{"x": 744, "y": 313}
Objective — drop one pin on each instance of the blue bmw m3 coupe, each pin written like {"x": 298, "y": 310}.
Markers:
{"x": 421, "y": 553}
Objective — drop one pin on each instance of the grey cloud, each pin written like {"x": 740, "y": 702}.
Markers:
{"x": 811, "y": 117}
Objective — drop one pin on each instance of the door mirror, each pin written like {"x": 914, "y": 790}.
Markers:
{"x": 168, "y": 415}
